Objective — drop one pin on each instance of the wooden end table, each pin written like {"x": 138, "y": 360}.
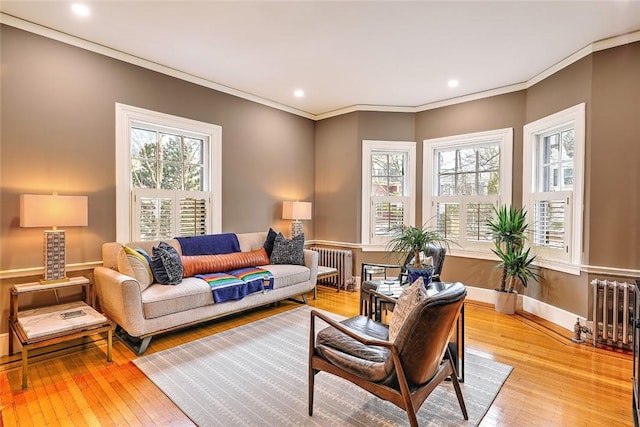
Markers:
{"x": 50, "y": 325}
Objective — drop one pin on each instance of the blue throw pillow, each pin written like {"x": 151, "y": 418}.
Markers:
{"x": 268, "y": 244}
{"x": 288, "y": 251}
{"x": 166, "y": 264}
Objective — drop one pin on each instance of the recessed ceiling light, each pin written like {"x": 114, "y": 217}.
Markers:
{"x": 80, "y": 9}
{"x": 298, "y": 93}
{"x": 453, "y": 83}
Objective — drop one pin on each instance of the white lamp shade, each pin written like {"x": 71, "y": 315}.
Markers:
{"x": 296, "y": 210}
{"x": 53, "y": 211}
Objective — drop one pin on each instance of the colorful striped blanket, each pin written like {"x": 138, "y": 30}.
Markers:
{"x": 236, "y": 284}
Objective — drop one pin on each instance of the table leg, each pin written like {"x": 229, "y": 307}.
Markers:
{"x": 25, "y": 357}
{"x": 10, "y": 340}
{"x": 109, "y": 344}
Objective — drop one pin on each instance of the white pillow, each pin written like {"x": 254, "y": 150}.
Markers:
{"x": 409, "y": 299}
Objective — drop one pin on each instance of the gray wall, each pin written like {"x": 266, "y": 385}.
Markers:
{"x": 606, "y": 81}
{"x": 58, "y": 134}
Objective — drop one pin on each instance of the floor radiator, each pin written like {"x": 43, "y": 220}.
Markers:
{"x": 341, "y": 260}
{"x": 613, "y": 313}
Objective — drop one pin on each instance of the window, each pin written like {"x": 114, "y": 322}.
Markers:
{"x": 464, "y": 177}
{"x": 553, "y": 187}
{"x": 169, "y": 175}
{"x": 388, "y": 196}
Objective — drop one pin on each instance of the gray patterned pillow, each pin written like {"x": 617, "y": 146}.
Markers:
{"x": 288, "y": 251}
{"x": 166, "y": 264}
{"x": 409, "y": 299}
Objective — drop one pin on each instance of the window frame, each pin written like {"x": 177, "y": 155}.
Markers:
{"x": 571, "y": 261}
{"x": 129, "y": 116}
{"x": 504, "y": 138}
{"x": 368, "y": 148}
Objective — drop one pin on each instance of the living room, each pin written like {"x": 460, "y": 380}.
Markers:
{"x": 58, "y": 131}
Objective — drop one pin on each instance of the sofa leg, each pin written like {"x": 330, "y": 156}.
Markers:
{"x": 302, "y": 301}
{"x": 143, "y": 345}
{"x": 137, "y": 345}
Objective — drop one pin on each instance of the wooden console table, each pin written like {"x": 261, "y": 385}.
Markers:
{"x": 50, "y": 325}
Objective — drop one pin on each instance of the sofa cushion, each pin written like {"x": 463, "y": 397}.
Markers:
{"x": 287, "y": 274}
{"x": 201, "y": 264}
{"x": 134, "y": 264}
{"x": 159, "y": 300}
{"x": 166, "y": 264}
{"x": 288, "y": 251}
{"x": 251, "y": 241}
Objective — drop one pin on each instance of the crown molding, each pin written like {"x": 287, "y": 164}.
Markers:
{"x": 125, "y": 57}
{"x": 112, "y": 53}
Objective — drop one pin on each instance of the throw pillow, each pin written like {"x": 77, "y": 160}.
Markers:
{"x": 268, "y": 243}
{"x": 202, "y": 264}
{"x": 288, "y": 251}
{"x": 409, "y": 299}
{"x": 132, "y": 263}
{"x": 166, "y": 265}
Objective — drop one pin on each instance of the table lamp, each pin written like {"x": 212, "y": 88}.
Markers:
{"x": 296, "y": 211}
{"x": 53, "y": 211}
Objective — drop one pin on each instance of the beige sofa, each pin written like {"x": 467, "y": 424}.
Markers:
{"x": 141, "y": 313}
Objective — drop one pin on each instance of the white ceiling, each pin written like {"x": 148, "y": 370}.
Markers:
{"x": 344, "y": 54}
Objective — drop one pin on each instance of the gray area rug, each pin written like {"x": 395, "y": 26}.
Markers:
{"x": 256, "y": 375}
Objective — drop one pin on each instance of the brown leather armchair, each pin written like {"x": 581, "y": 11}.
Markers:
{"x": 403, "y": 372}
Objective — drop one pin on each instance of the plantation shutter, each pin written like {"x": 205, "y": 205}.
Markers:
{"x": 477, "y": 214}
{"x": 193, "y": 217}
{"x": 165, "y": 214}
{"x": 448, "y": 219}
{"x": 387, "y": 213}
{"x": 551, "y": 219}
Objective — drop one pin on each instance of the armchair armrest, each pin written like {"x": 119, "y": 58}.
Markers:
{"x": 344, "y": 330}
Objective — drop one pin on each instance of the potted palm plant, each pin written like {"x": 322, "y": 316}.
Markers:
{"x": 508, "y": 228}
{"x": 411, "y": 244}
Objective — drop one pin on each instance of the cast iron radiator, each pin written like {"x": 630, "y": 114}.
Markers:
{"x": 613, "y": 313}
{"x": 341, "y": 260}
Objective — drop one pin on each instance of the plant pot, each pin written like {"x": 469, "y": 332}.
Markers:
{"x": 505, "y": 302}
{"x": 425, "y": 272}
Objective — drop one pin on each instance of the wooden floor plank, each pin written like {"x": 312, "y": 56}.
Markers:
{"x": 555, "y": 382}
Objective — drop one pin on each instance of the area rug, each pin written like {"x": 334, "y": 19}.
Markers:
{"x": 256, "y": 375}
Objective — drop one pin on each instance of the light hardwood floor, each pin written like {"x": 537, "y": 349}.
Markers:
{"x": 554, "y": 382}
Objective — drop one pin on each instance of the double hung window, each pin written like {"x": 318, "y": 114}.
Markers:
{"x": 172, "y": 181}
{"x": 553, "y": 187}
{"x": 464, "y": 177}
{"x": 388, "y": 191}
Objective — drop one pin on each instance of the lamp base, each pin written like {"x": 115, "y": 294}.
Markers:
{"x": 296, "y": 228}
{"x": 54, "y": 256}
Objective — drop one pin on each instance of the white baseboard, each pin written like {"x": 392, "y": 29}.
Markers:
{"x": 555, "y": 315}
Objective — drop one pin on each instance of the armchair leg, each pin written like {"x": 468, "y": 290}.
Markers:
{"x": 456, "y": 387}
{"x": 312, "y": 376}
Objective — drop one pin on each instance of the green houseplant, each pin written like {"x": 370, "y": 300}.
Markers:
{"x": 411, "y": 245}
{"x": 508, "y": 228}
